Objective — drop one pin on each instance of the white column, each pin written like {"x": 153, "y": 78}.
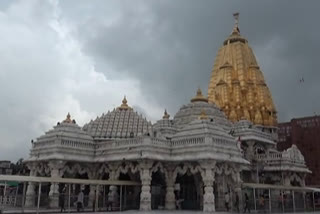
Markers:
{"x": 113, "y": 189}
{"x": 92, "y": 195}
{"x": 208, "y": 179}
{"x": 92, "y": 175}
{"x": 30, "y": 194}
{"x": 170, "y": 201}
{"x": 237, "y": 186}
{"x": 145, "y": 176}
{"x": 55, "y": 167}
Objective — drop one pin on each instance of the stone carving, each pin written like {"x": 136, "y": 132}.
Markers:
{"x": 145, "y": 176}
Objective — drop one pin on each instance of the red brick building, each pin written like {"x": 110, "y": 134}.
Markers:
{"x": 305, "y": 133}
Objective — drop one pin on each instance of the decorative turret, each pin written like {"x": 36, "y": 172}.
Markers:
{"x": 166, "y": 115}
{"x": 68, "y": 119}
{"x": 203, "y": 115}
{"x": 199, "y": 97}
{"x": 124, "y": 105}
{"x": 237, "y": 84}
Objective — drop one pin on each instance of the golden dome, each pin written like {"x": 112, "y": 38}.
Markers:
{"x": 124, "y": 105}
{"x": 199, "y": 97}
{"x": 237, "y": 84}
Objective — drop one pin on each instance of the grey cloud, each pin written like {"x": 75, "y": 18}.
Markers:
{"x": 172, "y": 52}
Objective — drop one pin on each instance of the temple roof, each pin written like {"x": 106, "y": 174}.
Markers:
{"x": 122, "y": 122}
{"x": 66, "y": 129}
{"x": 237, "y": 84}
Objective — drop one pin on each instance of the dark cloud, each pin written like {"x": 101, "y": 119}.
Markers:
{"x": 170, "y": 47}
{"x": 83, "y": 56}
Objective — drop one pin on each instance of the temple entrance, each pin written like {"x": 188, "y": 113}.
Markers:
{"x": 130, "y": 194}
{"x": 189, "y": 191}
{"x": 158, "y": 191}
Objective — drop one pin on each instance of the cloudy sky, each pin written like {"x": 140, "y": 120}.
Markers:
{"x": 82, "y": 57}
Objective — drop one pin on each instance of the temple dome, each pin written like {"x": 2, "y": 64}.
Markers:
{"x": 194, "y": 110}
{"x": 122, "y": 122}
{"x": 202, "y": 127}
{"x": 237, "y": 84}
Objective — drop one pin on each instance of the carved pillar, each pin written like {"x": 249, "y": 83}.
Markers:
{"x": 237, "y": 186}
{"x": 208, "y": 179}
{"x": 145, "y": 176}
{"x": 249, "y": 154}
{"x": 170, "y": 203}
{"x": 287, "y": 178}
{"x": 92, "y": 195}
{"x": 30, "y": 194}
{"x": 55, "y": 167}
{"x": 113, "y": 190}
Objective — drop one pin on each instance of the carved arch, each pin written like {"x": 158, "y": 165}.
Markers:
{"x": 125, "y": 169}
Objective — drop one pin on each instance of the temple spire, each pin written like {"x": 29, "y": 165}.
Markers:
{"x": 236, "y": 23}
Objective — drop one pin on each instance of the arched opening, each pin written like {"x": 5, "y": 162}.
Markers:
{"x": 45, "y": 189}
{"x": 130, "y": 194}
{"x": 222, "y": 185}
{"x": 77, "y": 188}
{"x": 158, "y": 191}
{"x": 189, "y": 191}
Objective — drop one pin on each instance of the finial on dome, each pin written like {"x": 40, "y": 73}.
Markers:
{"x": 203, "y": 115}
{"x": 68, "y": 119}
{"x": 166, "y": 115}
{"x": 236, "y": 23}
{"x": 199, "y": 97}
{"x": 124, "y": 105}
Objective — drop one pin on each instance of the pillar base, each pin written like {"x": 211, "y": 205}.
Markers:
{"x": 30, "y": 201}
{"x": 54, "y": 201}
{"x": 170, "y": 203}
{"x": 208, "y": 200}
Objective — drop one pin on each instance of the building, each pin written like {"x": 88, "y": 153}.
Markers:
{"x": 305, "y": 134}
{"x": 198, "y": 155}
{"x": 5, "y": 167}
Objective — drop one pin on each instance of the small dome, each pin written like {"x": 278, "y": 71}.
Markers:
{"x": 197, "y": 109}
{"x": 122, "y": 122}
{"x": 199, "y": 97}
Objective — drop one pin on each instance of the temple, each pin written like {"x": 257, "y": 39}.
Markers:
{"x": 212, "y": 146}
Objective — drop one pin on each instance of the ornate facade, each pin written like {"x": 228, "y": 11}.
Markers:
{"x": 197, "y": 156}
{"x": 237, "y": 84}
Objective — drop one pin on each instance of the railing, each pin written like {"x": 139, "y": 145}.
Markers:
{"x": 156, "y": 141}
{"x": 8, "y": 200}
{"x": 277, "y": 158}
{"x": 255, "y": 132}
{"x": 77, "y": 144}
{"x": 43, "y": 144}
{"x": 190, "y": 141}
